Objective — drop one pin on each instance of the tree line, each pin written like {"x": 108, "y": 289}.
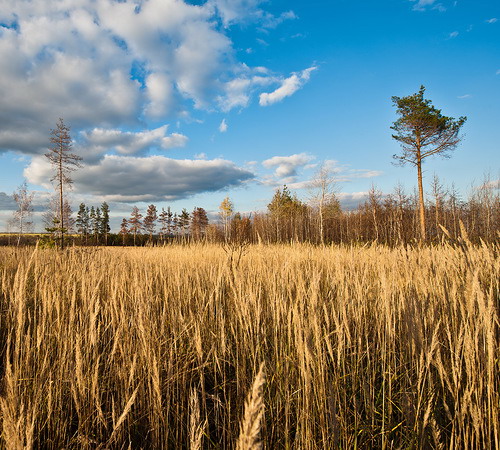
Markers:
{"x": 421, "y": 130}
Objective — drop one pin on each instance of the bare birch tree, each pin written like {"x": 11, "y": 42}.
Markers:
{"x": 323, "y": 187}
{"x": 24, "y": 211}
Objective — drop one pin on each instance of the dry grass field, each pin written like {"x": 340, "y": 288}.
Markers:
{"x": 161, "y": 347}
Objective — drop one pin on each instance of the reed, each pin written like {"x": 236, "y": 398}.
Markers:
{"x": 368, "y": 347}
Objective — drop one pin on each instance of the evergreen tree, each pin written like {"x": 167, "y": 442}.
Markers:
{"x": 53, "y": 213}
{"x": 64, "y": 162}
{"x": 135, "y": 222}
{"x": 97, "y": 225}
{"x": 82, "y": 221}
{"x": 423, "y": 131}
{"x": 286, "y": 211}
{"x": 199, "y": 222}
{"x": 124, "y": 230}
{"x": 150, "y": 221}
{"x": 175, "y": 224}
{"x": 183, "y": 221}
{"x": 165, "y": 219}
{"x": 104, "y": 225}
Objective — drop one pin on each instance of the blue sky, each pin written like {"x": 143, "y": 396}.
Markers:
{"x": 183, "y": 103}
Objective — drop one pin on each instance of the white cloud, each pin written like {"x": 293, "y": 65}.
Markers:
{"x": 288, "y": 87}
{"x": 270, "y": 21}
{"x": 421, "y": 5}
{"x": 492, "y": 20}
{"x": 498, "y": 72}
{"x": 110, "y": 64}
{"x": 101, "y": 140}
{"x": 223, "y": 126}
{"x": 453, "y": 34}
{"x": 351, "y": 200}
{"x": 232, "y": 11}
{"x": 160, "y": 95}
{"x": 238, "y": 91}
{"x": 286, "y": 167}
{"x": 238, "y": 11}
{"x": 338, "y": 174}
{"x": 153, "y": 178}
{"x": 464, "y": 96}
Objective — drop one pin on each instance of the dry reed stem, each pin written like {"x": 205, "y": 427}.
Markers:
{"x": 364, "y": 346}
{"x": 254, "y": 411}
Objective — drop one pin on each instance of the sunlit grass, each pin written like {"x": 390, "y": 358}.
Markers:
{"x": 159, "y": 347}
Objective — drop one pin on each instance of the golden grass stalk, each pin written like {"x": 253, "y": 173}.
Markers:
{"x": 249, "y": 438}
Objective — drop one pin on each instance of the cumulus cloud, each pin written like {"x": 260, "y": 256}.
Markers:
{"x": 288, "y": 87}
{"x": 112, "y": 64}
{"x": 99, "y": 141}
{"x": 287, "y": 170}
{"x": 223, "y": 126}
{"x": 286, "y": 167}
{"x": 236, "y": 93}
{"x": 153, "y": 178}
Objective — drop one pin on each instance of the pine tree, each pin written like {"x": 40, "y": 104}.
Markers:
{"x": 175, "y": 224}
{"x": 150, "y": 221}
{"x": 184, "y": 220}
{"x": 53, "y": 212}
{"x": 199, "y": 222}
{"x": 124, "y": 229}
{"x": 165, "y": 220}
{"x": 82, "y": 221}
{"x": 135, "y": 222}
{"x": 92, "y": 219}
{"x": 423, "y": 131}
{"x": 105, "y": 228}
{"x": 97, "y": 225}
{"x": 64, "y": 162}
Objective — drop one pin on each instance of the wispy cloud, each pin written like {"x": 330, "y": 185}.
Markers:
{"x": 223, "y": 126}
{"x": 464, "y": 96}
{"x": 288, "y": 87}
{"x": 453, "y": 34}
{"x": 492, "y": 20}
{"x": 422, "y": 4}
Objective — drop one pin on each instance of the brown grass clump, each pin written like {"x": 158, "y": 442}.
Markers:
{"x": 157, "y": 347}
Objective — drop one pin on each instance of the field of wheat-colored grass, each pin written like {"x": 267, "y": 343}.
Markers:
{"x": 293, "y": 347}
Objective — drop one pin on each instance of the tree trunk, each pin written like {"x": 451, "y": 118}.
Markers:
{"x": 421, "y": 198}
{"x": 61, "y": 202}
{"x": 321, "y": 227}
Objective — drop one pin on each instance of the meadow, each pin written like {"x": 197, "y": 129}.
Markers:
{"x": 272, "y": 346}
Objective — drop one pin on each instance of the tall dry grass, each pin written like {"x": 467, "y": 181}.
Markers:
{"x": 161, "y": 348}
